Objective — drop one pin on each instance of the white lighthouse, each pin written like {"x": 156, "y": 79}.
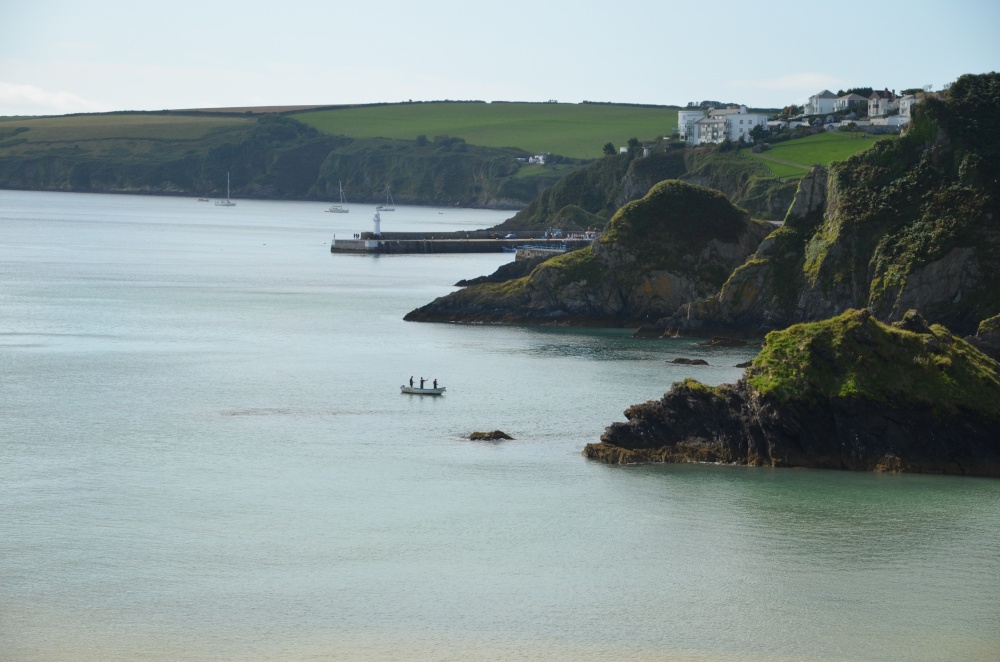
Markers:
{"x": 378, "y": 222}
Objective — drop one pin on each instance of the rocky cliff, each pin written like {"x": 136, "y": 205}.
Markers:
{"x": 591, "y": 195}
{"x": 907, "y": 224}
{"x": 677, "y": 243}
{"x": 845, "y": 393}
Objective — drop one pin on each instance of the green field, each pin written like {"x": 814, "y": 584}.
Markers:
{"x": 799, "y": 155}
{"x": 120, "y": 126}
{"x": 574, "y": 130}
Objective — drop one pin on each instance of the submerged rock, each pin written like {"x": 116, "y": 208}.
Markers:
{"x": 844, "y": 393}
{"x": 680, "y": 360}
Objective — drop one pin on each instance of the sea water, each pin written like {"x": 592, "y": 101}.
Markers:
{"x": 204, "y": 455}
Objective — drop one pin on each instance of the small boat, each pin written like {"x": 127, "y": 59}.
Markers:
{"x": 416, "y": 390}
{"x": 390, "y": 204}
{"x": 342, "y": 207}
{"x": 227, "y": 202}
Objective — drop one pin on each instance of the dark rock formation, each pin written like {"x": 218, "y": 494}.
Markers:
{"x": 987, "y": 338}
{"x": 845, "y": 393}
{"x": 678, "y": 243}
{"x": 680, "y": 360}
{"x": 509, "y": 271}
{"x": 495, "y": 435}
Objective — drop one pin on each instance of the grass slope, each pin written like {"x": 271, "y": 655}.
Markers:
{"x": 794, "y": 158}
{"x": 855, "y": 355}
{"x": 574, "y": 130}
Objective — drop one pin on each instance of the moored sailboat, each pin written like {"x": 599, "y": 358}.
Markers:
{"x": 390, "y": 204}
{"x": 227, "y": 202}
{"x": 342, "y": 207}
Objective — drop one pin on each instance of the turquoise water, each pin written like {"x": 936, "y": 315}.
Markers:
{"x": 204, "y": 455}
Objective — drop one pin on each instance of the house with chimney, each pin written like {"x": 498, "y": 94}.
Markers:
{"x": 882, "y": 103}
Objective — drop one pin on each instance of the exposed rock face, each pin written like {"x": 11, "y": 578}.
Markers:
{"x": 906, "y": 224}
{"x": 847, "y": 393}
{"x": 987, "y": 338}
{"x": 591, "y": 195}
{"x": 760, "y": 294}
{"x": 676, "y": 244}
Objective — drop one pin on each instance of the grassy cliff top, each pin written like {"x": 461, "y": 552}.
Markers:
{"x": 854, "y": 355}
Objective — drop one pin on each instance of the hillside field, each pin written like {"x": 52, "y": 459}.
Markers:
{"x": 116, "y": 133}
{"x": 800, "y": 154}
{"x": 578, "y": 131}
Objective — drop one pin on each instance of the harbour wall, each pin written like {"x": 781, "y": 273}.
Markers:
{"x": 446, "y": 242}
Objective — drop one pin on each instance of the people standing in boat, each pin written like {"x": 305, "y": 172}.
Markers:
{"x": 435, "y": 383}
{"x": 422, "y": 380}
{"x": 411, "y": 381}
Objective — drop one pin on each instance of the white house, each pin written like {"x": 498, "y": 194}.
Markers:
{"x": 880, "y": 103}
{"x": 820, "y": 104}
{"x": 906, "y": 104}
{"x": 697, "y": 128}
{"x": 685, "y": 122}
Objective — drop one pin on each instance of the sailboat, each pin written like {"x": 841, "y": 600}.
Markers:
{"x": 342, "y": 207}
{"x": 227, "y": 202}
{"x": 390, "y": 204}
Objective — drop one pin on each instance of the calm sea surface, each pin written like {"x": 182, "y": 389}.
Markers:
{"x": 204, "y": 455}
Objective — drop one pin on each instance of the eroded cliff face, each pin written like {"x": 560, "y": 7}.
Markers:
{"x": 764, "y": 292}
{"x": 676, "y": 244}
{"x": 847, "y": 393}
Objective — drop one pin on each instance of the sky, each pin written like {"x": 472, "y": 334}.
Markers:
{"x": 59, "y": 57}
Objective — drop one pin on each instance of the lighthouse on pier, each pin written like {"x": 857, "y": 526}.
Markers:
{"x": 378, "y": 221}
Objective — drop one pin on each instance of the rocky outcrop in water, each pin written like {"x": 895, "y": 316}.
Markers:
{"x": 845, "y": 393}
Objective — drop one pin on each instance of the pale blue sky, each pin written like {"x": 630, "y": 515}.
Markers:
{"x": 60, "y": 57}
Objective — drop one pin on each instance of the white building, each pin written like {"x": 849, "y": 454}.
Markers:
{"x": 880, "y": 103}
{"x": 685, "y": 122}
{"x": 820, "y": 104}
{"x": 697, "y": 128}
{"x": 906, "y": 104}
